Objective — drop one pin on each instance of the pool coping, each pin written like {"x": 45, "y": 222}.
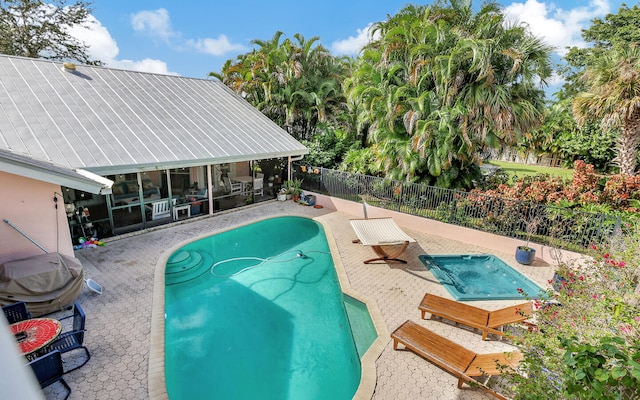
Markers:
{"x": 156, "y": 379}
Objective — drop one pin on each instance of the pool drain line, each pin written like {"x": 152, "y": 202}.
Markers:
{"x": 452, "y": 279}
{"x": 262, "y": 261}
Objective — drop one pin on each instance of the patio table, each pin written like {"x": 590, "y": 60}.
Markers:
{"x": 33, "y": 334}
{"x": 245, "y": 180}
{"x": 181, "y": 207}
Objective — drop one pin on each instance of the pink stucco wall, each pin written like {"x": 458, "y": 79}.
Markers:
{"x": 29, "y": 205}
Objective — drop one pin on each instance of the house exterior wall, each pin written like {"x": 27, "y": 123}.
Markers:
{"x": 28, "y": 204}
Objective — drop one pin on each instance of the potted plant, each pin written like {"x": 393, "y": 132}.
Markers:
{"x": 287, "y": 189}
{"x": 525, "y": 254}
{"x": 296, "y": 189}
{"x": 282, "y": 194}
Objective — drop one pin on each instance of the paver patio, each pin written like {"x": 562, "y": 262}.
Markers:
{"x": 119, "y": 320}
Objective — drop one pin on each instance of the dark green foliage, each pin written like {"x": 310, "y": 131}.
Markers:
{"x": 591, "y": 144}
{"x": 607, "y": 370}
{"x": 327, "y": 150}
{"x": 31, "y": 28}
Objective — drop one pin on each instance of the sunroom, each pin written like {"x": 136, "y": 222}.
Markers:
{"x": 145, "y": 199}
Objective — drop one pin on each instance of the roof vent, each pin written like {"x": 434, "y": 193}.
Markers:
{"x": 69, "y": 66}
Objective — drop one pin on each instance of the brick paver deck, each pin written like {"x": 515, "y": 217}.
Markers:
{"x": 119, "y": 320}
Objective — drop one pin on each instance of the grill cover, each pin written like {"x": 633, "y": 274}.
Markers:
{"x": 46, "y": 282}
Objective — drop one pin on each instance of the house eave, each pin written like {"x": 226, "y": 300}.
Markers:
{"x": 68, "y": 178}
{"x": 121, "y": 169}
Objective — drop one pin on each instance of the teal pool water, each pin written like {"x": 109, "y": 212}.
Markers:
{"x": 257, "y": 313}
{"x": 479, "y": 277}
{"x": 364, "y": 332}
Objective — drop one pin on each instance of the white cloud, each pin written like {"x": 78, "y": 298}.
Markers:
{"x": 559, "y": 28}
{"x": 155, "y": 23}
{"x": 104, "y": 48}
{"x": 215, "y": 47}
{"x": 352, "y": 45}
{"x": 97, "y": 37}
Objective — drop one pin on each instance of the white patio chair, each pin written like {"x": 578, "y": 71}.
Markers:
{"x": 160, "y": 209}
{"x": 233, "y": 187}
{"x": 258, "y": 185}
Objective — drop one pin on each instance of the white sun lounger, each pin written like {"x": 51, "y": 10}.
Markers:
{"x": 379, "y": 232}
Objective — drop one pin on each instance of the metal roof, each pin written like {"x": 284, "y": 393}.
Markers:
{"x": 112, "y": 121}
{"x": 48, "y": 172}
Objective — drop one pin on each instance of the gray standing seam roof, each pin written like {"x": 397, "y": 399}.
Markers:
{"x": 111, "y": 121}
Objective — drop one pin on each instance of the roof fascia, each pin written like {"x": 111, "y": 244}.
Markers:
{"x": 72, "y": 179}
{"x": 122, "y": 169}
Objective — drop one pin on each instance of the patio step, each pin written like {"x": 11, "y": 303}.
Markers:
{"x": 183, "y": 261}
{"x": 185, "y": 267}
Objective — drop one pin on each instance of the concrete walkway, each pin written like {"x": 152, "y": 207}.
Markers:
{"x": 119, "y": 320}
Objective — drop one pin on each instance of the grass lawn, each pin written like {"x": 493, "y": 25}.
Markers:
{"x": 520, "y": 170}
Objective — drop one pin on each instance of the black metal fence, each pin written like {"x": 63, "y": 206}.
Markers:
{"x": 560, "y": 227}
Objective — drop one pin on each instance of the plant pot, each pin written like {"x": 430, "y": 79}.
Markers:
{"x": 311, "y": 199}
{"x": 525, "y": 255}
{"x": 282, "y": 197}
{"x": 195, "y": 208}
{"x": 557, "y": 282}
{"x": 296, "y": 197}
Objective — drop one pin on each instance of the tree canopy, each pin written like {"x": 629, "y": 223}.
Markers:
{"x": 296, "y": 83}
{"x": 613, "y": 95}
{"x": 441, "y": 84}
{"x": 601, "y": 89}
{"x": 31, "y": 28}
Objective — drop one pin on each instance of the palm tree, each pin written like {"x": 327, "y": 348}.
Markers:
{"x": 614, "y": 96}
{"x": 447, "y": 82}
{"x": 295, "y": 82}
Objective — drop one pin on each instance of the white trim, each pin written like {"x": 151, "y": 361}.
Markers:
{"x": 22, "y": 166}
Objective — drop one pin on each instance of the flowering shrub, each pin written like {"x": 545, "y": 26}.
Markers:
{"x": 586, "y": 344}
{"x": 618, "y": 192}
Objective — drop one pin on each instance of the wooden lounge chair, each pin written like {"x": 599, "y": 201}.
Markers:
{"x": 381, "y": 232}
{"x": 453, "y": 358}
{"x": 486, "y": 321}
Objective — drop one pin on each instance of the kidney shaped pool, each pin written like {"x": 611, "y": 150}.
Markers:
{"x": 257, "y": 313}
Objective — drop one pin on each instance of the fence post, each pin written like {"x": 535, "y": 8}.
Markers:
{"x": 617, "y": 229}
{"x": 453, "y": 207}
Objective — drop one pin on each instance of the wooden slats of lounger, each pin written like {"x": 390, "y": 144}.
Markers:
{"x": 452, "y": 357}
{"x": 486, "y": 321}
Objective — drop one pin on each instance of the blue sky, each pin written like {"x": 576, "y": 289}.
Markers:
{"x": 192, "y": 38}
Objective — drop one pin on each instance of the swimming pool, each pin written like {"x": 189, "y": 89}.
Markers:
{"x": 479, "y": 277}
{"x": 257, "y": 312}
